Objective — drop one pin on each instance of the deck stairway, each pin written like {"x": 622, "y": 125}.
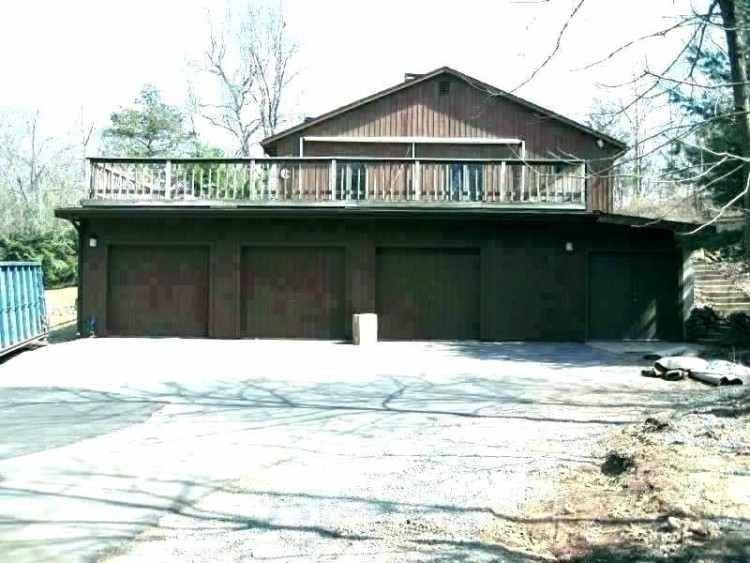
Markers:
{"x": 718, "y": 290}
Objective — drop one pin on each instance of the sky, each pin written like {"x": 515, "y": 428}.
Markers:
{"x": 67, "y": 58}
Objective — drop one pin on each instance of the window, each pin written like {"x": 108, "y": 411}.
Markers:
{"x": 351, "y": 181}
{"x": 466, "y": 182}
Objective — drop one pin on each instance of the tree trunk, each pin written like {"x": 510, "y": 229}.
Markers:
{"x": 733, "y": 19}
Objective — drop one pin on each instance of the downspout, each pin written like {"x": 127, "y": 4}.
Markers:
{"x": 79, "y": 295}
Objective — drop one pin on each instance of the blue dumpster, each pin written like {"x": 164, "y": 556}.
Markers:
{"x": 23, "y": 311}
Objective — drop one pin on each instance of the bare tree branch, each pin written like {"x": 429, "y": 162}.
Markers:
{"x": 558, "y": 44}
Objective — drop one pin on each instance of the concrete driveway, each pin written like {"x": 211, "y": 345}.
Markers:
{"x": 175, "y": 450}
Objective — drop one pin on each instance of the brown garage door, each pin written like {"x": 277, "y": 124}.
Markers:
{"x": 157, "y": 290}
{"x": 293, "y": 292}
{"x": 428, "y": 293}
{"x": 634, "y": 296}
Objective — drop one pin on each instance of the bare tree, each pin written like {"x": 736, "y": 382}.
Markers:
{"x": 37, "y": 172}
{"x": 250, "y": 58}
{"x": 723, "y": 24}
{"x": 632, "y": 123}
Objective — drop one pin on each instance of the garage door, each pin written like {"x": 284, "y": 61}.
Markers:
{"x": 157, "y": 290}
{"x": 293, "y": 293}
{"x": 634, "y": 296}
{"x": 428, "y": 293}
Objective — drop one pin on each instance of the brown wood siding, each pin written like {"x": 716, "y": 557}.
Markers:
{"x": 292, "y": 292}
{"x": 465, "y": 112}
{"x": 428, "y": 293}
{"x": 530, "y": 286}
{"x": 158, "y": 290}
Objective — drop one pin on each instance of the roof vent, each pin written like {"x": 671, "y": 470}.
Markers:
{"x": 308, "y": 118}
{"x": 411, "y": 76}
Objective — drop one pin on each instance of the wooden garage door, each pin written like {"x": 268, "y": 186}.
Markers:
{"x": 634, "y": 296}
{"x": 428, "y": 293}
{"x": 157, "y": 290}
{"x": 293, "y": 292}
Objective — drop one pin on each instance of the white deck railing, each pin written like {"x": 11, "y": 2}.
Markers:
{"x": 550, "y": 183}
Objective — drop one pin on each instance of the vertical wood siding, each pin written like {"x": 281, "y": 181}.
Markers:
{"x": 466, "y": 111}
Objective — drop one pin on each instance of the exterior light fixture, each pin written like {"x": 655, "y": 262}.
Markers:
{"x": 600, "y": 143}
{"x": 93, "y": 241}
{"x": 568, "y": 246}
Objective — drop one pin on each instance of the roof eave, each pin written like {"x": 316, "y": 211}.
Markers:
{"x": 681, "y": 227}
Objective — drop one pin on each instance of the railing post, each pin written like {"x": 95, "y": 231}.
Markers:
{"x": 299, "y": 182}
{"x": 251, "y": 176}
{"x": 88, "y": 178}
{"x": 332, "y": 179}
{"x": 583, "y": 182}
{"x": 168, "y": 180}
{"x": 503, "y": 184}
{"x": 417, "y": 180}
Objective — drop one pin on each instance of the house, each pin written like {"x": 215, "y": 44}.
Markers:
{"x": 451, "y": 209}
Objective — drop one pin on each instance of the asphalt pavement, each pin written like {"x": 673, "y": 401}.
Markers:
{"x": 174, "y": 450}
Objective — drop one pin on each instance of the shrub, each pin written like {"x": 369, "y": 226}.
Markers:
{"x": 55, "y": 250}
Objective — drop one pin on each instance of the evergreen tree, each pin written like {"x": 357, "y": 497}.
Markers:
{"x": 151, "y": 128}
{"x": 703, "y": 154}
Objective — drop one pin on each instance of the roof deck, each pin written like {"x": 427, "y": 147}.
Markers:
{"x": 550, "y": 184}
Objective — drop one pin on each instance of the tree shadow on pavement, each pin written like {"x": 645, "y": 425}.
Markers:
{"x": 431, "y": 415}
{"x": 555, "y": 355}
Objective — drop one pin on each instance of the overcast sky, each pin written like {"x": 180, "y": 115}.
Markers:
{"x": 63, "y": 55}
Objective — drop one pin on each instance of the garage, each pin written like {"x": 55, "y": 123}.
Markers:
{"x": 634, "y": 296}
{"x": 428, "y": 293}
{"x": 157, "y": 290}
{"x": 293, "y": 292}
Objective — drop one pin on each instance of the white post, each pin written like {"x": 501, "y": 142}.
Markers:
{"x": 523, "y": 169}
{"x": 252, "y": 180}
{"x": 503, "y": 194}
{"x": 332, "y": 180}
{"x": 417, "y": 180}
{"x": 88, "y": 178}
{"x": 582, "y": 183}
{"x": 168, "y": 180}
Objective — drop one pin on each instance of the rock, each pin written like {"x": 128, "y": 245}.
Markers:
{"x": 673, "y": 523}
{"x": 617, "y": 463}
{"x": 653, "y": 424}
{"x": 697, "y": 529}
{"x": 678, "y": 511}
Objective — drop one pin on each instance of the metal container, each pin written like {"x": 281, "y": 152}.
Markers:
{"x": 23, "y": 311}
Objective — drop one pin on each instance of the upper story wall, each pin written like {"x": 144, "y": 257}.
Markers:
{"x": 425, "y": 109}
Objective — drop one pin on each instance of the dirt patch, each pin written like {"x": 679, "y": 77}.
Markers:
{"x": 61, "y": 305}
{"x": 671, "y": 486}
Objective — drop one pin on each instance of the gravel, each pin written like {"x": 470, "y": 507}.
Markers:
{"x": 317, "y": 451}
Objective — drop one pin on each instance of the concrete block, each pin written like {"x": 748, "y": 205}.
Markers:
{"x": 365, "y": 328}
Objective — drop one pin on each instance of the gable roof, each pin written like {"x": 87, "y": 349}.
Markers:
{"x": 428, "y": 76}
